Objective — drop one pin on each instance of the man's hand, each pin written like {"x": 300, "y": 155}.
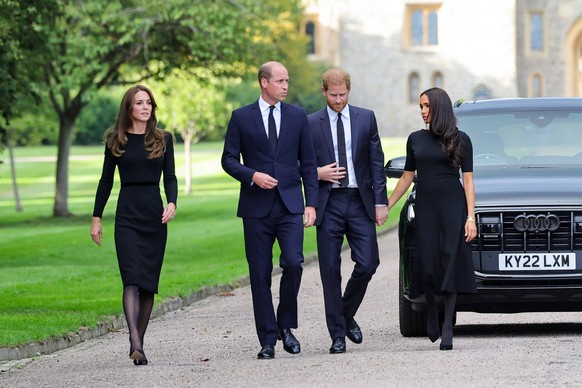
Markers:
{"x": 381, "y": 215}
{"x": 264, "y": 181}
{"x": 309, "y": 216}
{"x": 331, "y": 173}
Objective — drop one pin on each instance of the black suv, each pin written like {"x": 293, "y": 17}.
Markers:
{"x": 527, "y": 256}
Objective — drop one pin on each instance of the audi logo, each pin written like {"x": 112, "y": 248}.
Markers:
{"x": 536, "y": 223}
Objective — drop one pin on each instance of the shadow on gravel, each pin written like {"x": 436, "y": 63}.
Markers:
{"x": 518, "y": 329}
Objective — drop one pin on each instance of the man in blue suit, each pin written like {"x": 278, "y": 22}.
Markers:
{"x": 352, "y": 201}
{"x": 274, "y": 142}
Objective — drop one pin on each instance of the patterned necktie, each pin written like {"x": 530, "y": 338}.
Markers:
{"x": 272, "y": 130}
{"x": 341, "y": 150}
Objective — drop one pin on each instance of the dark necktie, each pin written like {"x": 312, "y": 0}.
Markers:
{"x": 341, "y": 150}
{"x": 272, "y": 130}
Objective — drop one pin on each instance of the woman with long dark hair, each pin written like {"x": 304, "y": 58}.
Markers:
{"x": 142, "y": 152}
{"x": 444, "y": 210}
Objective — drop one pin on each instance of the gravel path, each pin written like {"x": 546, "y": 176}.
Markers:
{"x": 212, "y": 343}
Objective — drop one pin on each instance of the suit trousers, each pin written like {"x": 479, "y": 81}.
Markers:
{"x": 260, "y": 235}
{"x": 345, "y": 215}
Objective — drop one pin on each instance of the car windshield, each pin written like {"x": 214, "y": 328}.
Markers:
{"x": 540, "y": 138}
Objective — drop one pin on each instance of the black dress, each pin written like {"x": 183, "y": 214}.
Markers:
{"x": 140, "y": 236}
{"x": 443, "y": 258}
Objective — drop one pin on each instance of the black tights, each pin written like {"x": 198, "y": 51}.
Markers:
{"x": 137, "y": 306}
{"x": 447, "y": 336}
{"x": 432, "y": 324}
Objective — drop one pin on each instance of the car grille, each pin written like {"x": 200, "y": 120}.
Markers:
{"x": 497, "y": 232}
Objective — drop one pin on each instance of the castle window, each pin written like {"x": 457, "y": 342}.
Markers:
{"x": 413, "y": 88}
{"x": 423, "y": 25}
{"x": 437, "y": 79}
{"x": 536, "y": 85}
{"x": 536, "y": 31}
{"x": 310, "y": 32}
{"x": 481, "y": 92}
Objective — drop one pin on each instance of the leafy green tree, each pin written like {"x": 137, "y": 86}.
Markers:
{"x": 86, "y": 45}
{"x": 94, "y": 120}
{"x": 194, "y": 106}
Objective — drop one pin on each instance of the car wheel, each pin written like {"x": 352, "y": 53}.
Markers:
{"x": 412, "y": 323}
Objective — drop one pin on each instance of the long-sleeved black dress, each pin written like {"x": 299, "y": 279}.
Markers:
{"x": 140, "y": 236}
{"x": 443, "y": 258}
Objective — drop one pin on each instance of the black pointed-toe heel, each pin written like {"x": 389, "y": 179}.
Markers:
{"x": 433, "y": 336}
{"x": 138, "y": 356}
{"x": 135, "y": 354}
{"x": 140, "y": 361}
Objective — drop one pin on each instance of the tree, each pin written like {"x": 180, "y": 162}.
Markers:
{"x": 194, "y": 106}
{"x": 86, "y": 45}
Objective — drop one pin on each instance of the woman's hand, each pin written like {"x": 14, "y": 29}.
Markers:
{"x": 96, "y": 230}
{"x": 470, "y": 229}
{"x": 169, "y": 213}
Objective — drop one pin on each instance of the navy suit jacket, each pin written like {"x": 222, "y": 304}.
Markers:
{"x": 293, "y": 164}
{"x": 367, "y": 155}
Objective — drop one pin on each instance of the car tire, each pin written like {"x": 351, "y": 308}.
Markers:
{"x": 412, "y": 323}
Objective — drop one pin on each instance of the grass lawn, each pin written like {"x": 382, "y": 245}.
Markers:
{"x": 54, "y": 280}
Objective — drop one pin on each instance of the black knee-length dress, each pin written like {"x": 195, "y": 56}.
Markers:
{"x": 140, "y": 236}
{"x": 443, "y": 258}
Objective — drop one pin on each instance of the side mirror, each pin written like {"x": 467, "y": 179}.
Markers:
{"x": 395, "y": 167}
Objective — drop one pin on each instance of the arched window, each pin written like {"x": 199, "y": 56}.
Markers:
{"x": 423, "y": 25}
{"x": 437, "y": 79}
{"x": 481, "y": 92}
{"x": 536, "y": 85}
{"x": 310, "y": 31}
{"x": 413, "y": 88}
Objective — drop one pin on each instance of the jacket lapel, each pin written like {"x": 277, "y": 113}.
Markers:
{"x": 326, "y": 129}
{"x": 355, "y": 126}
{"x": 260, "y": 126}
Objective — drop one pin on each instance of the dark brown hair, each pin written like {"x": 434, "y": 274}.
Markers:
{"x": 116, "y": 136}
{"x": 443, "y": 124}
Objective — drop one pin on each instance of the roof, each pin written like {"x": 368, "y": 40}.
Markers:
{"x": 520, "y": 104}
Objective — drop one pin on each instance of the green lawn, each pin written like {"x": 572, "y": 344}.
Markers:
{"x": 54, "y": 280}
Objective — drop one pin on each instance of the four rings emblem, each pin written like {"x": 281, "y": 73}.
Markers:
{"x": 536, "y": 222}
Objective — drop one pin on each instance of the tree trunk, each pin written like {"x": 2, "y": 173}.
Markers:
{"x": 187, "y": 137}
{"x": 61, "y": 207}
{"x": 13, "y": 172}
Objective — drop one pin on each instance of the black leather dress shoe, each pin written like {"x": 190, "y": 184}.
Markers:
{"x": 290, "y": 343}
{"x": 353, "y": 331}
{"x": 267, "y": 352}
{"x": 338, "y": 346}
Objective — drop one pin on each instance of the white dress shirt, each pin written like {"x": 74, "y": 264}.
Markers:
{"x": 264, "y": 107}
{"x": 348, "y": 136}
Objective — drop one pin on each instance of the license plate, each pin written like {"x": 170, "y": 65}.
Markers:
{"x": 536, "y": 261}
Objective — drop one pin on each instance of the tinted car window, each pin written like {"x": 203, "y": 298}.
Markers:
{"x": 525, "y": 138}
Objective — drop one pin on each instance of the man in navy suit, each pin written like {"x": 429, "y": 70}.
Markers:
{"x": 278, "y": 158}
{"x": 352, "y": 201}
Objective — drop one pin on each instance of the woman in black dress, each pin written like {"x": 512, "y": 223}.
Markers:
{"x": 142, "y": 152}
{"x": 444, "y": 210}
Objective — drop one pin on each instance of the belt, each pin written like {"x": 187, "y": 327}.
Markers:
{"x": 127, "y": 184}
{"x": 344, "y": 189}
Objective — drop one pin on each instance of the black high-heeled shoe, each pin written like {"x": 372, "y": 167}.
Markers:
{"x": 446, "y": 346}
{"x": 138, "y": 356}
{"x": 140, "y": 361}
{"x": 433, "y": 336}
